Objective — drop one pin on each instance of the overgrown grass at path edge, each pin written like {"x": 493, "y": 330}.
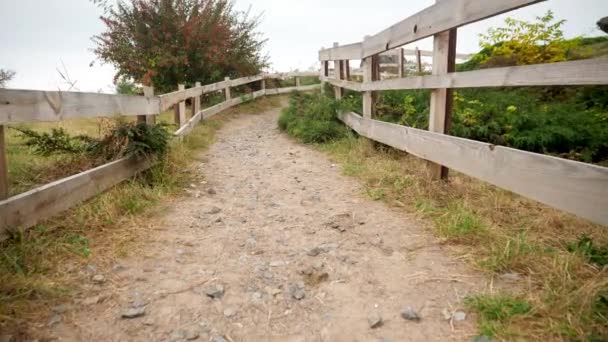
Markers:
{"x": 46, "y": 265}
{"x": 553, "y": 265}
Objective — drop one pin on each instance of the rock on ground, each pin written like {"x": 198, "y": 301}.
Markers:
{"x": 244, "y": 247}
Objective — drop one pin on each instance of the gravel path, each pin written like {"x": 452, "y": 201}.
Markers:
{"x": 275, "y": 245}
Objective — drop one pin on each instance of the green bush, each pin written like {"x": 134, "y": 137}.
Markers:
{"x": 123, "y": 139}
{"x": 311, "y": 118}
{"x": 568, "y": 122}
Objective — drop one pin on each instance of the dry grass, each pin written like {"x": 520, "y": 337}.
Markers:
{"x": 498, "y": 232}
{"x": 46, "y": 265}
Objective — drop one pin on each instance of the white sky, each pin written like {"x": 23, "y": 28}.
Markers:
{"x": 36, "y": 35}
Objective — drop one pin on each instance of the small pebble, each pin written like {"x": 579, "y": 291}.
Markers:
{"x": 296, "y": 290}
{"x": 215, "y": 291}
{"x": 374, "y": 319}
{"x": 55, "y": 319}
{"x": 133, "y": 313}
{"x": 459, "y": 316}
{"x": 99, "y": 279}
{"x": 229, "y": 312}
{"x": 410, "y": 314}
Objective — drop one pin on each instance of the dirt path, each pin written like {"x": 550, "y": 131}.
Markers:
{"x": 300, "y": 254}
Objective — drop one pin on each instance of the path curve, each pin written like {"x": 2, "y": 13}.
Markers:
{"x": 276, "y": 220}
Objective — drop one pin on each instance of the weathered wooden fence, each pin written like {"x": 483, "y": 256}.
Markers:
{"x": 575, "y": 187}
{"x": 19, "y": 106}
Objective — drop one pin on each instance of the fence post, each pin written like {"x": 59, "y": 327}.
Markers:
{"x": 3, "y": 166}
{"x": 401, "y": 63}
{"x": 180, "y": 109}
{"x": 338, "y": 69}
{"x": 196, "y": 103}
{"x": 418, "y": 61}
{"x": 149, "y": 119}
{"x": 227, "y": 90}
{"x": 347, "y": 70}
{"x": 370, "y": 73}
{"x": 263, "y": 84}
{"x": 324, "y": 73}
{"x": 444, "y": 61}
{"x": 298, "y": 81}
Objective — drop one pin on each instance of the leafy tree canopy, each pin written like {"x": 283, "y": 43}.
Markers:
{"x": 166, "y": 42}
{"x": 521, "y": 42}
{"x": 5, "y": 77}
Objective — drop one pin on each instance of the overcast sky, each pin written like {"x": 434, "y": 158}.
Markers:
{"x": 37, "y": 35}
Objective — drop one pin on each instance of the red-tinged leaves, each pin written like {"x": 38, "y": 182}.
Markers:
{"x": 165, "y": 42}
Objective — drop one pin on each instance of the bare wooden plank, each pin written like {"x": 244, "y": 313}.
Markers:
{"x": 3, "y": 165}
{"x": 442, "y": 16}
{"x": 26, "y": 210}
{"x": 170, "y": 99}
{"x": 246, "y": 80}
{"x": 401, "y": 63}
{"x": 346, "y": 70}
{"x": 371, "y": 73}
{"x": 575, "y": 187}
{"x": 350, "y": 51}
{"x": 583, "y": 72}
{"x": 211, "y": 111}
{"x": 149, "y": 119}
{"x": 444, "y": 61}
{"x": 227, "y": 92}
{"x": 196, "y": 102}
{"x": 287, "y": 90}
{"x": 418, "y": 61}
{"x": 179, "y": 108}
{"x": 41, "y": 106}
{"x": 338, "y": 72}
{"x": 284, "y": 75}
{"x": 423, "y": 53}
{"x": 356, "y": 86}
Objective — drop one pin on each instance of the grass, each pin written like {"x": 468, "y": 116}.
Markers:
{"x": 497, "y": 232}
{"x": 46, "y": 265}
{"x": 557, "y": 256}
{"x": 497, "y": 312}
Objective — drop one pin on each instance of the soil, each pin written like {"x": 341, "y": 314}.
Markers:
{"x": 275, "y": 245}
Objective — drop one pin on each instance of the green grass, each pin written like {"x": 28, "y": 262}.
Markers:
{"x": 496, "y": 311}
{"x": 562, "y": 281}
{"x": 43, "y": 266}
{"x": 459, "y": 222}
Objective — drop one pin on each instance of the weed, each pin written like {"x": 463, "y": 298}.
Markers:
{"x": 498, "y": 232}
{"x": 42, "y": 266}
{"x": 496, "y": 310}
{"x": 595, "y": 254}
{"x": 311, "y": 118}
{"x": 458, "y": 223}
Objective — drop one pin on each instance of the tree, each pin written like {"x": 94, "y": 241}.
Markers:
{"x": 5, "y": 77}
{"x": 166, "y": 42}
{"x": 521, "y": 42}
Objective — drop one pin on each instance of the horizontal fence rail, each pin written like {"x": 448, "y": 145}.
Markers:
{"x": 584, "y": 72}
{"x": 443, "y": 16}
{"x": 19, "y": 106}
{"x": 574, "y": 187}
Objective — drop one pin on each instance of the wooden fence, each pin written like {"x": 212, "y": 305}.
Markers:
{"x": 575, "y": 187}
{"x": 19, "y": 106}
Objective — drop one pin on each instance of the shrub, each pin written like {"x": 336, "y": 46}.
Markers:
{"x": 163, "y": 43}
{"x": 521, "y": 42}
{"x": 311, "y": 118}
{"x": 567, "y": 122}
{"x": 125, "y": 138}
